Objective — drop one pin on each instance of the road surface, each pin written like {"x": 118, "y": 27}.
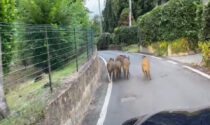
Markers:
{"x": 172, "y": 87}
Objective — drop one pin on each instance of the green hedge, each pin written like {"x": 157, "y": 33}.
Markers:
{"x": 160, "y": 48}
{"x": 205, "y": 49}
{"x": 104, "y": 41}
{"x": 126, "y": 35}
{"x": 206, "y": 23}
{"x": 180, "y": 45}
{"x": 173, "y": 20}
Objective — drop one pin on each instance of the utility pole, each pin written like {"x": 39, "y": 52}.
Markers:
{"x": 99, "y": 7}
{"x": 130, "y": 12}
{"x": 48, "y": 60}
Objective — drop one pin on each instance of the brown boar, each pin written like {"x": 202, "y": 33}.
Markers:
{"x": 117, "y": 69}
{"x": 120, "y": 58}
{"x": 146, "y": 67}
{"x": 126, "y": 65}
{"x": 110, "y": 67}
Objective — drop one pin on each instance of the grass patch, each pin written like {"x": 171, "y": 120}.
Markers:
{"x": 131, "y": 48}
{"x": 28, "y": 100}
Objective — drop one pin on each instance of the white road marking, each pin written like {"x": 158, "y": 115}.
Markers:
{"x": 106, "y": 102}
{"x": 149, "y": 55}
{"x": 156, "y": 57}
{"x": 172, "y": 62}
{"x": 128, "y": 99}
{"x": 197, "y": 71}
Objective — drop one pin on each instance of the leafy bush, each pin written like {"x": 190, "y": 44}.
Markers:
{"x": 179, "y": 45}
{"x": 206, "y": 23}
{"x": 104, "y": 41}
{"x": 114, "y": 8}
{"x": 205, "y": 49}
{"x": 173, "y": 20}
{"x": 134, "y": 48}
{"x": 161, "y": 48}
{"x": 126, "y": 35}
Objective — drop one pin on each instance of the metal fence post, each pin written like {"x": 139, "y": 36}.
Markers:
{"x": 1, "y": 67}
{"x": 5, "y": 109}
{"x": 48, "y": 59}
{"x": 75, "y": 43}
{"x": 87, "y": 43}
{"x": 92, "y": 40}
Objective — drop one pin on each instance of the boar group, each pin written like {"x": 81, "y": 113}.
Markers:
{"x": 116, "y": 66}
{"x": 122, "y": 63}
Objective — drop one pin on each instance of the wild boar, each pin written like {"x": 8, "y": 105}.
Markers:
{"x": 126, "y": 65}
{"x": 146, "y": 67}
{"x": 120, "y": 58}
{"x": 117, "y": 69}
{"x": 110, "y": 68}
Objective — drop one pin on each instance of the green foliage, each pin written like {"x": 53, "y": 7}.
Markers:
{"x": 179, "y": 45}
{"x": 110, "y": 16}
{"x": 126, "y": 35}
{"x": 140, "y": 7}
{"x": 104, "y": 41}
{"x": 124, "y": 18}
{"x": 28, "y": 101}
{"x": 205, "y": 49}
{"x": 53, "y": 12}
{"x": 60, "y": 12}
{"x": 115, "y": 8}
{"x": 160, "y": 48}
{"x": 7, "y": 14}
{"x": 173, "y": 20}
{"x": 206, "y": 23}
{"x": 96, "y": 25}
{"x": 133, "y": 48}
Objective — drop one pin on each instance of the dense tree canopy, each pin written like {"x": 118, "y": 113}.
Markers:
{"x": 114, "y": 9}
{"x": 96, "y": 25}
{"x": 61, "y": 12}
{"x": 53, "y": 12}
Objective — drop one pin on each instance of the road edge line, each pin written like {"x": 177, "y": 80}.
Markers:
{"x": 155, "y": 57}
{"x": 197, "y": 71}
{"x": 172, "y": 62}
{"x": 106, "y": 101}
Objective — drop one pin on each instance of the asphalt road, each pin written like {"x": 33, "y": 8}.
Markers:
{"x": 171, "y": 87}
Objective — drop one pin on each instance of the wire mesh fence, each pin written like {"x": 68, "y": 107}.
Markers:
{"x": 35, "y": 59}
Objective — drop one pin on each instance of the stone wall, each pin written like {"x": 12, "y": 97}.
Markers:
{"x": 147, "y": 50}
{"x": 71, "y": 101}
{"x": 151, "y": 51}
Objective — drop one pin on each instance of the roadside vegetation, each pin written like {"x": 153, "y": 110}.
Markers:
{"x": 25, "y": 26}
{"x": 28, "y": 100}
{"x": 172, "y": 27}
{"x": 133, "y": 48}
